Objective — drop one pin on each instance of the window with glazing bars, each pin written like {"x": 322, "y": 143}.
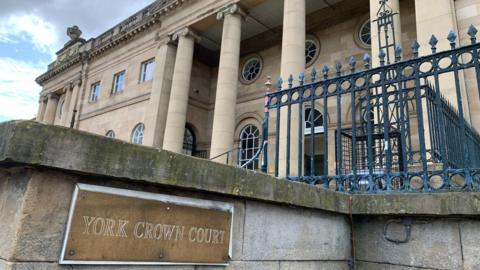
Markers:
{"x": 94, "y": 92}
{"x": 146, "y": 70}
{"x": 118, "y": 82}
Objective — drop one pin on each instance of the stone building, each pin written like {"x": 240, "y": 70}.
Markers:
{"x": 189, "y": 75}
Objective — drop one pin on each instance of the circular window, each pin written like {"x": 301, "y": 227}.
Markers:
{"x": 364, "y": 34}
{"x": 251, "y": 69}
{"x": 312, "y": 49}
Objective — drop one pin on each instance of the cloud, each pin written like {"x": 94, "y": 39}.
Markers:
{"x": 18, "y": 90}
{"x": 42, "y": 25}
{"x": 92, "y": 16}
{"x": 32, "y": 29}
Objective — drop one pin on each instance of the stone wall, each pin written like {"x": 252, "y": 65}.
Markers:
{"x": 436, "y": 243}
{"x": 35, "y": 205}
{"x": 277, "y": 224}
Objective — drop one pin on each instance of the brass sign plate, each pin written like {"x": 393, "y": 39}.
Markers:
{"x": 117, "y": 226}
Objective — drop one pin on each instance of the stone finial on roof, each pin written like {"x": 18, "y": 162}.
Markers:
{"x": 74, "y": 32}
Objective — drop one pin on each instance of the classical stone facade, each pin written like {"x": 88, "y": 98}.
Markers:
{"x": 188, "y": 76}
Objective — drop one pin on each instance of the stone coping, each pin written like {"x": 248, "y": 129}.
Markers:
{"x": 34, "y": 144}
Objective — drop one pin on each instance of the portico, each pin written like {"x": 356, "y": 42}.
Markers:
{"x": 227, "y": 42}
{"x": 205, "y": 97}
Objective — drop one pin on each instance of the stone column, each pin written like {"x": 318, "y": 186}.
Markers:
{"x": 71, "y": 101}
{"x": 434, "y": 17}
{"x": 51, "y": 109}
{"x": 66, "y": 105}
{"x": 177, "y": 108}
{"x": 156, "y": 116}
{"x": 227, "y": 84}
{"x": 375, "y": 9}
{"x": 438, "y": 17}
{"x": 292, "y": 62}
{"x": 41, "y": 108}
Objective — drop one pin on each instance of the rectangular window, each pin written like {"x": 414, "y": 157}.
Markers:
{"x": 94, "y": 92}
{"x": 118, "y": 82}
{"x": 146, "y": 71}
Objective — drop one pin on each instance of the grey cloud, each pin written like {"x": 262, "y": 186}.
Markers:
{"x": 92, "y": 16}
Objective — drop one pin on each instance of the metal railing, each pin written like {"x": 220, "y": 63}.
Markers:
{"x": 388, "y": 128}
{"x": 234, "y": 157}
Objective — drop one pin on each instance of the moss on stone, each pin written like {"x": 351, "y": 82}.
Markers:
{"x": 34, "y": 144}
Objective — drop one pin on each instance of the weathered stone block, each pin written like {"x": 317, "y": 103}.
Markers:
{"x": 13, "y": 186}
{"x": 113, "y": 267}
{"x": 45, "y": 210}
{"x": 379, "y": 266}
{"x": 314, "y": 265}
{"x": 55, "y": 266}
{"x": 433, "y": 243}
{"x": 470, "y": 233}
{"x": 239, "y": 265}
{"x": 279, "y": 233}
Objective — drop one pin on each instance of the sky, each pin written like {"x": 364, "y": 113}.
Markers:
{"x": 32, "y": 31}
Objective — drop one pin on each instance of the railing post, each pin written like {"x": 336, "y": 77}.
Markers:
{"x": 266, "y": 117}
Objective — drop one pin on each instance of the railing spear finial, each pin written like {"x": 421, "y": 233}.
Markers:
{"x": 313, "y": 75}
{"x": 290, "y": 81}
{"x": 472, "y": 32}
{"x": 338, "y": 68}
{"x": 325, "y": 71}
{"x": 415, "y": 47}
{"x": 452, "y": 37}
{"x": 268, "y": 84}
{"x": 352, "y": 63}
{"x": 280, "y": 84}
{"x": 398, "y": 53}
{"x": 366, "y": 61}
{"x": 433, "y": 43}
{"x": 382, "y": 56}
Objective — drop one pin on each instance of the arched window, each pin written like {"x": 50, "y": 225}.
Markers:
{"x": 189, "y": 142}
{"x": 313, "y": 118}
{"x": 249, "y": 144}
{"x": 137, "y": 134}
{"x": 110, "y": 134}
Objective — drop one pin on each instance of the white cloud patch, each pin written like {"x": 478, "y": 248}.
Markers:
{"x": 42, "y": 25}
{"x": 18, "y": 89}
{"x": 32, "y": 29}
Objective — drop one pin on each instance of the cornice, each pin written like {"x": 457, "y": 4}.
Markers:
{"x": 127, "y": 30}
{"x": 123, "y": 37}
{"x": 63, "y": 66}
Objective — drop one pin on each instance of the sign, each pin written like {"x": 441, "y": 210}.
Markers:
{"x": 117, "y": 226}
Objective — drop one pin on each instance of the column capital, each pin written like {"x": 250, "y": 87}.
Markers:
{"x": 76, "y": 82}
{"x": 43, "y": 98}
{"x": 230, "y": 10}
{"x": 184, "y": 32}
{"x": 164, "y": 40}
{"x": 53, "y": 96}
{"x": 67, "y": 87}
